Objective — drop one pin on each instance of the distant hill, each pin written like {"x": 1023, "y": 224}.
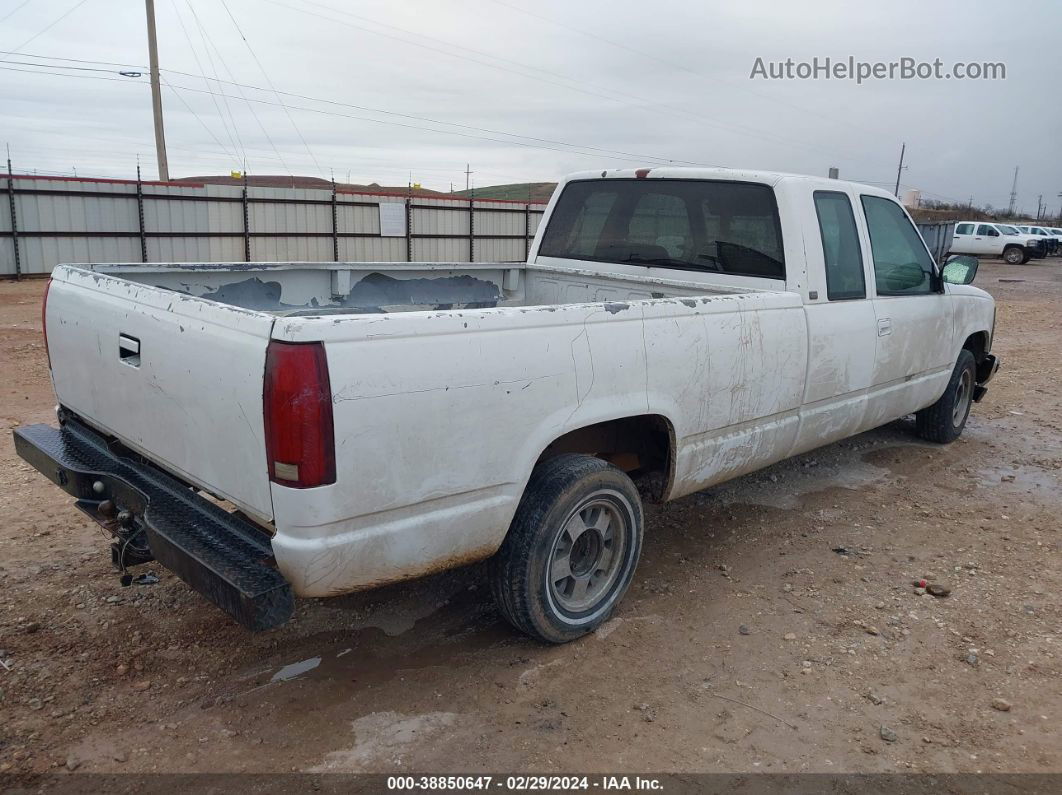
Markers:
{"x": 521, "y": 192}
{"x": 315, "y": 183}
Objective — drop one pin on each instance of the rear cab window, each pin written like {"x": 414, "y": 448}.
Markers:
{"x": 841, "y": 251}
{"x": 964, "y": 229}
{"x": 701, "y": 225}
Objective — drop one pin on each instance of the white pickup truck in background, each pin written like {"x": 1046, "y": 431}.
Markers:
{"x": 361, "y": 423}
{"x": 987, "y": 239}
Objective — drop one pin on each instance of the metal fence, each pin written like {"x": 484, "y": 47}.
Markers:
{"x": 61, "y": 219}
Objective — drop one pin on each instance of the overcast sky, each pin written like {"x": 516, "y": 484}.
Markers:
{"x": 530, "y": 89}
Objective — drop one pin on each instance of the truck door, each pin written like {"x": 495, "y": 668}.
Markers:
{"x": 914, "y": 327}
{"x": 841, "y": 326}
{"x": 988, "y": 240}
{"x": 962, "y": 241}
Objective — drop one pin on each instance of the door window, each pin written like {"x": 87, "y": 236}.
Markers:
{"x": 840, "y": 246}
{"x": 902, "y": 265}
{"x": 964, "y": 229}
{"x": 985, "y": 229}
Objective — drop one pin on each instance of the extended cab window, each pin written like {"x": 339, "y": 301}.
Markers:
{"x": 840, "y": 246}
{"x": 964, "y": 229}
{"x": 902, "y": 265}
{"x": 723, "y": 227}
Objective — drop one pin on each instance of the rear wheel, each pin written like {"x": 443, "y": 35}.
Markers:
{"x": 944, "y": 420}
{"x": 1014, "y": 255}
{"x": 571, "y": 550}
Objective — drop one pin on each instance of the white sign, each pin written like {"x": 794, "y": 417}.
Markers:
{"x": 392, "y": 219}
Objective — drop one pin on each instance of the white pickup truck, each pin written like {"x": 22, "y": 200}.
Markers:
{"x": 273, "y": 430}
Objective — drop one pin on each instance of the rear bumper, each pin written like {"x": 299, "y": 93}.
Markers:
{"x": 222, "y": 556}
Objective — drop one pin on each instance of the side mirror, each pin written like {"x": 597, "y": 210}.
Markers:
{"x": 960, "y": 269}
{"x": 902, "y": 278}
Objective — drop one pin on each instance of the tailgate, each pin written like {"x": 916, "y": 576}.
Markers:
{"x": 176, "y": 378}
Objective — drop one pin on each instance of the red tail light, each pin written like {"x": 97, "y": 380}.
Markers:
{"x": 300, "y": 442}
{"x": 44, "y": 321}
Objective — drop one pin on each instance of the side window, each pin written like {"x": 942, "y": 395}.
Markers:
{"x": 840, "y": 246}
{"x": 985, "y": 229}
{"x": 902, "y": 265}
{"x": 964, "y": 229}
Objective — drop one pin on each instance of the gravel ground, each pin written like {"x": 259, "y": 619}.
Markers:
{"x": 748, "y": 643}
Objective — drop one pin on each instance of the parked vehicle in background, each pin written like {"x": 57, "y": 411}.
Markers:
{"x": 1051, "y": 243}
{"x": 984, "y": 239}
{"x": 373, "y": 422}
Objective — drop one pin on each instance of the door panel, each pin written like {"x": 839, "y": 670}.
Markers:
{"x": 841, "y": 336}
{"x": 913, "y": 324}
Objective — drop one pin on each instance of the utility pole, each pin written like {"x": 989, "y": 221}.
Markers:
{"x": 1013, "y": 193}
{"x": 468, "y": 175}
{"x": 1039, "y": 206}
{"x": 156, "y": 93}
{"x": 899, "y": 168}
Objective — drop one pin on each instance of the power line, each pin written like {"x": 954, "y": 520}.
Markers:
{"x": 72, "y": 60}
{"x": 673, "y": 65}
{"x": 574, "y": 148}
{"x": 63, "y": 74}
{"x": 254, "y": 114}
{"x": 640, "y": 103}
{"x": 206, "y": 82}
{"x": 14, "y": 10}
{"x": 49, "y": 26}
{"x": 197, "y": 116}
{"x": 265, "y": 74}
{"x": 207, "y": 42}
{"x": 487, "y": 130}
{"x": 60, "y": 66}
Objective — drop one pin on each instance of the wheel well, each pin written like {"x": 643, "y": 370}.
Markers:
{"x": 977, "y": 345}
{"x": 641, "y": 446}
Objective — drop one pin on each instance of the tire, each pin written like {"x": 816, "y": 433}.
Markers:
{"x": 1025, "y": 259}
{"x": 944, "y": 420}
{"x": 1013, "y": 255}
{"x": 571, "y": 550}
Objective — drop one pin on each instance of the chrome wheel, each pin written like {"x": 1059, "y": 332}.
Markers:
{"x": 963, "y": 396}
{"x": 589, "y": 551}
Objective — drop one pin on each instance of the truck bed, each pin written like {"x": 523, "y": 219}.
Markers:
{"x": 314, "y": 289}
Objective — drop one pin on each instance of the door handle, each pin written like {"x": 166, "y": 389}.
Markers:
{"x": 884, "y": 326}
{"x": 129, "y": 350}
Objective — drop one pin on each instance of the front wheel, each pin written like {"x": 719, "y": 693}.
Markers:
{"x": 571, "y": 550}
{"x": 944, "y": 420}
{"x": 1013, "y": 255}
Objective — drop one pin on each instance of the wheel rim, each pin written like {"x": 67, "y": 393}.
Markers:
{"x": 588, "y": 553}
{"x": 1012, "y": 256}
{"x": 963, "y": 393}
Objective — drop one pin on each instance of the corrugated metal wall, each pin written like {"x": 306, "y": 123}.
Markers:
{"x": 80, "y": 220}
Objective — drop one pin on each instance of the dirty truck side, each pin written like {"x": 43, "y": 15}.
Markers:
{"x": 270, "y": 430}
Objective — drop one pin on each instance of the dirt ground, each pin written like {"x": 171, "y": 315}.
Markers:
{"x": 748, "y": 642}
